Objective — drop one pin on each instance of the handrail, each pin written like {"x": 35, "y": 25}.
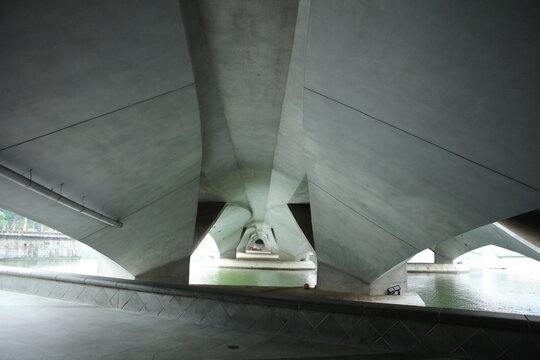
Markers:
{"x": 33, "y": 233}
{"x": 23, "y": 181}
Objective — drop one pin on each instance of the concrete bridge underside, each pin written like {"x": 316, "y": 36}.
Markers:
{"x": 364, "y": 132}
{"x": 492, "y": 234}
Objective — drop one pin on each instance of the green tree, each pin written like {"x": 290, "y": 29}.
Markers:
{"x": 8, "y": 219}
{"x": 3, "y": 221}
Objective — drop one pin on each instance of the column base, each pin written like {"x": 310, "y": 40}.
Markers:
{"x": 332, "y": 279}
{"x": 176, "y": 272}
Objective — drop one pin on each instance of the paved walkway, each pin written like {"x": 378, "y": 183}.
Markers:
{"x": 406, "y": 298}
{"x": 33, "y": 327}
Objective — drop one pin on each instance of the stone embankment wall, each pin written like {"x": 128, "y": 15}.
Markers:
{"x": 461, "y": 334}
{"x": 437, "y": 268}
{"x": 38, "y": 248}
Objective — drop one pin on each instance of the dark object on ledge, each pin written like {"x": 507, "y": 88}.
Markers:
{"x": 393, "y": 289}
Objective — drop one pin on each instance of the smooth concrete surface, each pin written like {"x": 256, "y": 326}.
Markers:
{"x": 450, "y": 73}
{"x": 251, "y": 234}
{"x": 227, "y": 230}
{"x": 401, "y": 125}
{"x": 41, "y": 328}
{"x": 100, "y": 103}
{"x": 250, "y": 59}
{"x": 438, "y": 258}
{"x": 407, "y": 118}
{"x": 243, "y": 77}
{"x": 332, "y": 279}
{"x": 288, "y": 183}
{"x": 525, "y": 227}
{"x": 491, "y": 234}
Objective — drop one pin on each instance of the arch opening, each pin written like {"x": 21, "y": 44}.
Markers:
{"x": 497, "y": 279}
{"x": 257, "y": 262}
{"x": 30, "y": 244}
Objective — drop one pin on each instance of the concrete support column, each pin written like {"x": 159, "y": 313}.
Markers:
{"x": 439, "y": 259}
{"x": 396, "y": 276}
{"x": 176, "y": 272}
{"x": 332, "y": 279}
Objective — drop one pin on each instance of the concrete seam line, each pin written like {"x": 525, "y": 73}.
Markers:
{"x": 424, "y": 140}
{"x": 82, "y": 239}
{"x": 97, "y": 117}
{"x": 364, "y": 216}
{"x": 161, "y": 197}
{"x": 23, "y": 181}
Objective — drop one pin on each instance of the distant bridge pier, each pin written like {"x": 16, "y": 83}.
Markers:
{"x": 33, "y": 245}
{"x": 440, "y": 259}
{"x": 441, "y": 264}
{"x": 332, "y": 279}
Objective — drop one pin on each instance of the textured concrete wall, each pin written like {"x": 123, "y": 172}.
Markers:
{"x": 248, "y": 61}
{"x": 403, "y": 125}
{"x": 99, "y": 96}
{"x": 525, "y": 226}
{"x": 228, "y": 228}
{"x": 486, "y": 235}
{"x": 420, "y": 124}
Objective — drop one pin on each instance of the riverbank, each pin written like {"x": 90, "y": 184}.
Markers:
{"x": 437, "y": 268}
{"x": 266, "y": 264}
{"x": 26, "y": 248}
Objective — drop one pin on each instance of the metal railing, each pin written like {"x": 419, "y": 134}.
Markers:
{"x": 16, "y": 233}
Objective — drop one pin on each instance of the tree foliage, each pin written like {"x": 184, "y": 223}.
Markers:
{"x": 12, "y": 221}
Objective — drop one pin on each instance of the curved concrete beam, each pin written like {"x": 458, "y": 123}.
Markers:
{"x": 29, "y": 184}
{"x": 249, "y": 236}
{"x": 525, "y": 226}
{"x": 95, "y": 101}
{"x": 246, "y": 46}
{"x": 227, "y": 229}
{"x": 288, "y": 172}
{"x": 251, "y": 108}
{"x": 419, "y": 122}
{"x": 220, "y": 172}
{"x": 486, "y": 235}
{"x": 291, "y": 241}
{"x": 391, "y": 92}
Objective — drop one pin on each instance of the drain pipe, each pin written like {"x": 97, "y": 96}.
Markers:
{"x": 52, "y": 195}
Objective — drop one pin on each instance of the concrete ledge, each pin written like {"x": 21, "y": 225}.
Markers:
{"x": 251, "y": 263}
{"x": 437, "y": 268}
{"x": 257, "y": 252}
{"x": 265, "y": 310}
{"x": 257, "y": 255}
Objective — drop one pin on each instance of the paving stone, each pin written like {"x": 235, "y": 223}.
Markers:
{"x": 328, "y": 330}
{"x": 400, "y": 338}
{"x": 480, "y": 346}
{"x": 195, "y": 312}
{"x": 298, "y": 326}
{"x": 134, "y": 303}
